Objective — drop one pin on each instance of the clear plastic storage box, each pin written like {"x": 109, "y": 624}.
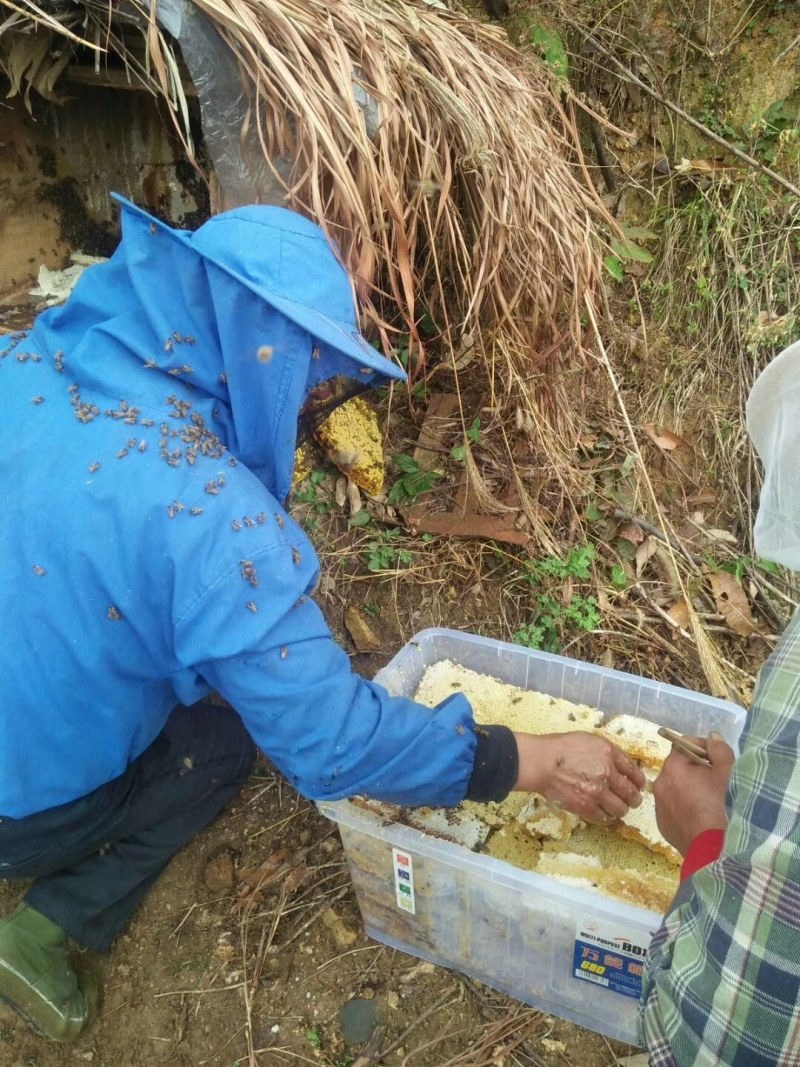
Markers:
{"x": 564, "y": 950}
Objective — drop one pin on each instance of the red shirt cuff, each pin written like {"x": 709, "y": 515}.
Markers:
{"x": 704, "y": 849}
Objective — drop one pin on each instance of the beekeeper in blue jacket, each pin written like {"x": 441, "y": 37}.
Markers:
{"x": 148, "y": 432}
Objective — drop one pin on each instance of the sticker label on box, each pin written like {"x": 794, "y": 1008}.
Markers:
{"x": 609, "y": 958}
{"x": 404, "y": 880}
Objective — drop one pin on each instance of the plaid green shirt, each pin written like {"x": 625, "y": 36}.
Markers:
{"x": 722, "y": 983}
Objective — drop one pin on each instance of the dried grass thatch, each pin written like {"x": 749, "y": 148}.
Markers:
{"x": 462, "y": 216}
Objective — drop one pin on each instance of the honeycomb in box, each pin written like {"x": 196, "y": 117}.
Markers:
{"x": 620, "y": 883}
{"x": 523, "y": 710}
{"x": 632, "y": 862}
{"x": 638, "y": 738}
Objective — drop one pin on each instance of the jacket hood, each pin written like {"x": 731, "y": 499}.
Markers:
{"x": 248, "y": 313}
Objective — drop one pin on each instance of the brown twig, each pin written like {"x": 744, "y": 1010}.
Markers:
{"x": 656, "y": 531}
{"x": 628, "y": 75}
{"x": 694, "y": 752}
{"x": 787, "y": 50}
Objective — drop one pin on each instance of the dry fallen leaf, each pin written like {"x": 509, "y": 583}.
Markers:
{"x": 631, "y": 532}
{"x": 220, "y": 872}
{"x": 295, "y": 878}
{"x": 364, "y": 637}
{"x": 257, "y": 877}
{"x": 704, "y": 496}
{"x": 721, "y": 535}
{"x": 552, "y": 1045}
{"x": 343, "y": 935}
{"x": 353, "y": 497}
{"x": 414, "y": 973}
{"x": 665, "y": 438}
{"x": 646, "y": 549}
{"x": 732, "y": 603}
{"x": 679, "y": 613}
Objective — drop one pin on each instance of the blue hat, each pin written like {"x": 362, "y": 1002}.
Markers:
{"x": 286, "y": 260}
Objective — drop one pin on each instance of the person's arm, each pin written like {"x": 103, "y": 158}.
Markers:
{"x": 584, "y": 773}
{"x": 334, "y": 734}
{"x": 690, "y": 799}
{"x": 268, "y": 650}
{"x": 721, "y": 983}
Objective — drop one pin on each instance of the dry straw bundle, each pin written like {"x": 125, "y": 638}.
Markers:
{"x": 463, "y": 209}
{"x": 464, "y": 202}
{"x": 463, "y": 216}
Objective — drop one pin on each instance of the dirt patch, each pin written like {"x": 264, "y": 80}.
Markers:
{"x": 174, "y": 982}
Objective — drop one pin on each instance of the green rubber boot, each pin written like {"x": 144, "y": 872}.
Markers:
{"x": 37, "y": 980}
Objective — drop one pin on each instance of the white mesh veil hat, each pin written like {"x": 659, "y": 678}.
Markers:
{"x": 773, "y": 422}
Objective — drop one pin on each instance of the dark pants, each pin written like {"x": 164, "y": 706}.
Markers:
{"x": 94, "y": 860}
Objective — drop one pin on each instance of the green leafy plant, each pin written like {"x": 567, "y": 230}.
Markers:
{"x": 361, "y": 518}
{"x": 427, "y": 325}
{"x": 619, "y": 579}
{"x": 628, "y": 250}
{"x": 739, "y": 567}
{"x": 459, "y": 452}
{"x": 593, "y": 512}
{"x": 778, "y": 126}
{"x": 552, "y": 620}
{"x": 314, "y": 1037}
{"x": 553, "y": 52}
{"x": 402, "y": 350}
{"x": 309, "y": 492}
{"x": 413, "y": 480}
{"x": 382, "y": 554}
{"x": 577, "y": 564}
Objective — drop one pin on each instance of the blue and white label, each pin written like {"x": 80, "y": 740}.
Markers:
{"x": 608, "y": 956}
{"x": 404, "y": 880}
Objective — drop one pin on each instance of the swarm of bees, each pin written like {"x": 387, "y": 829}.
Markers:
{"x": 83, "y": 412}
{"x": 249, "y": 571}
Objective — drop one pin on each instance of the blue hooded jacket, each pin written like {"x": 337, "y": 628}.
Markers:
{"x": 145, "y": 449}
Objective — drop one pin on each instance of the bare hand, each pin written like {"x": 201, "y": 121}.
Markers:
{"x": 583, "y": 773}
{"x": 690, "y": 798}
